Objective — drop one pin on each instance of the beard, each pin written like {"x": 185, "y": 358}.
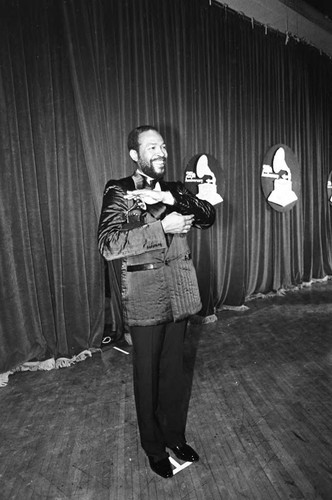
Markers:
{"x": 148, "y": 168}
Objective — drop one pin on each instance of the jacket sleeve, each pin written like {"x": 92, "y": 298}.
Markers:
{"x": 114, "y": 241}
{"x": 187, "y": 203}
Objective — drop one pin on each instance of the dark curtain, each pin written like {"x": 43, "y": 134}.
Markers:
{"x": 51, "y": 274}
{"x": 75, "y": 77}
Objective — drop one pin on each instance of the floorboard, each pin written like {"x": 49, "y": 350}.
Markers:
{"x": 259, "y": 392}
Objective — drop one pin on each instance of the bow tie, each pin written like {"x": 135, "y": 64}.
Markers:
{"x": 143, "y": 182}
{"x": 149, "y": 183}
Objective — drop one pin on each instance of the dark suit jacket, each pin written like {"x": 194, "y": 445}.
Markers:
{"x": 169, "y": 291}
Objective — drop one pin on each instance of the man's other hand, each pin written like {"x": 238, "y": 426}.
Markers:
{"x": 177, "y": 223}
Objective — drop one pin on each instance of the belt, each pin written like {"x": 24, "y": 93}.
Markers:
{"x": 143, "y": 267}
{"x": 146, "y": 267}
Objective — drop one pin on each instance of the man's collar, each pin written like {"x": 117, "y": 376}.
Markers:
{"x": 141, "y": 180}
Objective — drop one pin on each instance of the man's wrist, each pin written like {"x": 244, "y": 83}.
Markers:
{"x": 168, "y": 198}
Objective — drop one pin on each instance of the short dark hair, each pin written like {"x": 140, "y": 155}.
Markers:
{"x": 133, "y": 137}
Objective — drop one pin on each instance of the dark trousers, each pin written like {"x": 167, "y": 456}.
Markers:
{"x": 159, "y": 386}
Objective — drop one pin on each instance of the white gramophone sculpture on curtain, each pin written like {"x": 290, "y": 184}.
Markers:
{"x": 202, "y": 181}
{"x": 282, "y": 193}
{"x": 329, "y": 188}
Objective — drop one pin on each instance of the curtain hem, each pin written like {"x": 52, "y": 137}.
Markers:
{"x": 48, "y": 364}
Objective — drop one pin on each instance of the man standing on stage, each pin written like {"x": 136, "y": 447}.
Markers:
{"x": 144, "y": 221}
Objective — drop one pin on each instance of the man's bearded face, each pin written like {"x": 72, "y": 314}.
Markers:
{"x": 152, "y": 154}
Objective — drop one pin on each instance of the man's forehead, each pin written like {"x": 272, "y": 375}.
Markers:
{"x": 150, "y": 137}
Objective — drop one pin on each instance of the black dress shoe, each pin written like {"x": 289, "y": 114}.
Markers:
{"x": 185, "y": 452}
{"x": 162, "y": 467}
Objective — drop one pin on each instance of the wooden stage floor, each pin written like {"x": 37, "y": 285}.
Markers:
{"x": 260, "y": 415}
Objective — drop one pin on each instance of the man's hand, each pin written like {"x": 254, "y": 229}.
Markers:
{"x": 150, "y": 197}
{"x": 176, "y": 223}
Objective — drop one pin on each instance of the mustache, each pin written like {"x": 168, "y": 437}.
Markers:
{"x": 159, "y": 158}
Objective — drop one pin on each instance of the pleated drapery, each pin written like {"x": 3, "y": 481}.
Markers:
{"x": 75, "y": 77}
